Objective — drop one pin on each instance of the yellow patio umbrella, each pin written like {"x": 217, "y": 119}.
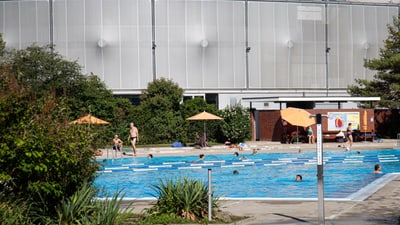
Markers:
{"x": 89, "y": 119}
{"x": 204, "y": 116}
{"x": 365, "y": 121}
{"x": 365, "y": 124}
{"x": 297, "y": 117}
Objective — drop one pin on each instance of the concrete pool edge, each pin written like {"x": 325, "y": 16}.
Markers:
{"x": 373, "y": 187}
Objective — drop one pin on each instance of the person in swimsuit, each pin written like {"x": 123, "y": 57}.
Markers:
{"x": 310, "y": 135}
{"x": 117, "y": 143}
{"x": 377, "y": 169}
{"x": 349, "y": 137}
{"x": 133, "y": 137}
{"x": 201, "y": 157}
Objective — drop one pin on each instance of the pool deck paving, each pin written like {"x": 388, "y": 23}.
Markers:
{"x": 381, "y": 207}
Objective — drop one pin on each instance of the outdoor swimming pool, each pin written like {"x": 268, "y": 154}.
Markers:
{"x": 261, "y": 176}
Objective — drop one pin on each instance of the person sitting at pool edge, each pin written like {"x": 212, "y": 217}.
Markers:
{"x": 228, "y": 142}
{"x": 377, "y": 169}
{"x": 299, "y": 178}
{"x": 117, "y": 143}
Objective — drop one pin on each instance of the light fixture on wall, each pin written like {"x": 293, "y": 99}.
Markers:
{"x": 366, "y": 45}
{"x": 204, "y": 43}
{"x": 290, "y": 44}
{"x": 101, "y": 43}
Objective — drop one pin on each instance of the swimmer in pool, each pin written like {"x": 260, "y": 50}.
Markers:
{"x": 236, "y": 154}
{"x": 377, "y": 169}
{"x": 201, "y": 157}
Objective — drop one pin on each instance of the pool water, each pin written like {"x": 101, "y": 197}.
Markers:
{"x": 261, "y": 176}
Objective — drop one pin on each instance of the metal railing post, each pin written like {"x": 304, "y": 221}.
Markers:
{"x": 209, "y": 196}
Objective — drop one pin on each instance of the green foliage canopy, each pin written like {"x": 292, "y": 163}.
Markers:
{"x": 236, "y": 124}
{"x": 47, "y": 72}
{"x": 158, "y": 117}
{"x": 42, "y": 157}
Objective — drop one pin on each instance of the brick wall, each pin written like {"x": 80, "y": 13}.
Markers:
{"x": 271, "y": 129}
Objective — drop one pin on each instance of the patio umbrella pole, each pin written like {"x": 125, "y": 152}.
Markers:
{"x": 204, "y": 135}
{"x": 204, "y": 116}
{"x": 365, "y": 125}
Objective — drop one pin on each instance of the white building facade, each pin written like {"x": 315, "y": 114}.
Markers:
{"x": 222, "y": 50}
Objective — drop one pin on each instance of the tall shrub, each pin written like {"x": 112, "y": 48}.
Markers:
{"x": 236, "y": 124}
{"x": 42, "y": 157}
{"x": 159, "y": 119}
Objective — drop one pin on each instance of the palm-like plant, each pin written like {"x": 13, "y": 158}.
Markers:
{"x": 187, "y": 198}
{"x": 83, "y": 208}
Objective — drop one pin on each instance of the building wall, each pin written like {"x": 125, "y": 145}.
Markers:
{"x": 215, "y": 46}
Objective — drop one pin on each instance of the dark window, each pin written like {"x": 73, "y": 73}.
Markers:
{"x": 134, "y": 99}
{"x": 301, "y": 105}
{"x": 212, "y": 99}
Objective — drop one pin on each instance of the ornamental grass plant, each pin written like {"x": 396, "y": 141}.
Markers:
{"x": 84, "y": 208}
{"x": 184, "y": 197}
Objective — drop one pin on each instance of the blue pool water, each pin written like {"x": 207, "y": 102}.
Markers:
{"x": 266, "y": 175}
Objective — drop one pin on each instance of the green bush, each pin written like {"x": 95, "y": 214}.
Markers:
{"x": 80, "y": 208}
{"x": 186, "y": 198}
{"x": 236, "y": 124}
{"x": 14, "y": 213}
{"x": 83, "y": 208}
{"x": 43, "y": 158}
{"x": 163, "y": 219}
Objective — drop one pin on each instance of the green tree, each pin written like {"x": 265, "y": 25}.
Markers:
{"x": 236, "y": 124}
{"x": 91, "y": 95}
{"x": 42, "y": 157}
{"x": 386, "y": 82}
{"x": 45, "y": 71}
{"x": 159, "y": 119}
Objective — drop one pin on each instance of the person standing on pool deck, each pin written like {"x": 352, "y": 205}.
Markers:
{"x": 310, "y": 135}
{"x": 133, "y": 137}
{"x": 349, "y": 137}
